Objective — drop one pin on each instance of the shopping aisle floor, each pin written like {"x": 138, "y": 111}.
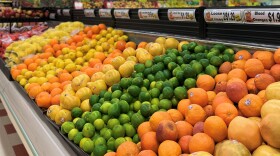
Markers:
{"x": 10, "y": 143}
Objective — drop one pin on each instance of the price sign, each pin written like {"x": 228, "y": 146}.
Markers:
{"x": 89, "y": 12}
{"x": 148, "y": 14}
{"x": 121, "y": 13}
{"x": 262, "y": 16}
{"x": 58, "y": 12}
{"x": 181, "y": 15}
{"x": 105, "y": 13}
{"x": 223, "y": 15}
{"x": 52, "y": 16}
{"x": 66, "y": 12}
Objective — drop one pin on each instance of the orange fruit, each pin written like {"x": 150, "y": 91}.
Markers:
{"x": 198, "y": 96}
{"x": 31, "y": 85}
{"x": 242, "y": 55}
{"x": 65, "y": 77}
{"x": 49, "y": 50}
{"x": 102, "y": 26}
{"x": 127, "y": 148}
{"x": 253, "y": 67}
{"x": 95, "y": 29}
{"x": 53, "y": 79}
{"x": 86, "y": 29}
{"x": 15, "y": 73}
{"x": 219, "y": 99}
{"x": 274, "y": 71}
{"x": 100, "y": 55}
{"x": 201, "y": 142}
{"x": 55, "y": 100}
{"x": 32, "y": 66}
{"x": 211, "y": 95}
{"x": 110, "y": 154}
{"x": 56, "y": 91}
{"x": 205, "y": 82}
{"x": 120, "y": 45}
{"x": 157, "y": 117}
{"x": 53, "y": 42}
{"x": 56, "y": 47}
{"x": 237, "y": 73}
{"x": 149, "y": 142}
{"x": 175, "y": 115}
{"x": 167, "y": 130}
{"x": 46, "y": 86}
{"x": 63, "y": 84}
{"x": 34, "y": 91}
{"x": 226, "y": 111}
{"x": 130, "y": 44}
{"x": 262, "y": 95}
{"x": 250, "y": 105}
{"x": 169, "y": 148}
{"x": 263, "y": 80}
{"x": 216, "y": 128}
{"x": 238, "y": 64}
{"x": 28, "y": 61}
{"x": 147, "y": 153}
{"x": 184, "y": 143}
{"x": 209, "y": 110}
{"x": 76, "y": 73}
{"x": 183, "y": 128}
{"x": 266, "y": 57}
{"x": 250, "y": 84}
{"x": 183, "y": 106}
{"x": 54, "y": 85}
{"x": 276, "y": 56}
{"x": 221, "y": 77}
{"x": 225, "y": 67}
{"x": 21, "y": 66}
{"x": 194, "y": 114}
{"x": 94, "y": 61}
{"x": 143, "y": 128}
{"x": 142, "y": 45}
{"x": 43, "y": 99}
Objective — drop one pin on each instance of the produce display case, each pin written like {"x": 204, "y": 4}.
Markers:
{"x": 53, "y": 142}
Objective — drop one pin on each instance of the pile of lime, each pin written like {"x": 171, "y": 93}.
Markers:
{"x": 157, "y": 85}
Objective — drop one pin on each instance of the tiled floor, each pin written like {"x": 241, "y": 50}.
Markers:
{"x": 10, "y": 143}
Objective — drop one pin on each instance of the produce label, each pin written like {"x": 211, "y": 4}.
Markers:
{"x": 105, "y": 13}
{"x": 89, "y": 12}
{"x": 262, "y": 16}
{"x": 148, "y": 14}
{"x": 181, "y": 15}
{"x": 52, "y": 16}
{"x": 223, "y": 15}
{"x": 58, "y": 12}
{"x": 66, "y": 12}
{"x": 121, "y": 14}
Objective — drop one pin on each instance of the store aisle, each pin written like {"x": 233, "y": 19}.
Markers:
{"x": 10, "y": 143}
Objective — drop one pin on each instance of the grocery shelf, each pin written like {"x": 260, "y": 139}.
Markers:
{"x": 37, "y": 135}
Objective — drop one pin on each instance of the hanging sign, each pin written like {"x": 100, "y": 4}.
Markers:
{"x": 262, "y": 16}
{"x": 89, "y": 12}
{"x": 148, "y": 14}
{"x": 223, "y": 15}
{"x": 181, "y": 15}
{"x": 105, "y": 13}
{"x": 121, "y": 13}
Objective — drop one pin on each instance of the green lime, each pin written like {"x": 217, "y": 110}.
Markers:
{"x": 137, "y": 119}
{"x": 136, "y": 138}
{"x": 75, "y": 120}
{"x": 174, "y": 102}
{"x": 197, "y": 67}
{"x": 93, "y": 116}
{"x": 99, "y": 141}
{"x": 219, "y": 46}
{"x": 137, "y": 81}
{"x": 144, "y": 96}
{"x": 167, "y": 84}
{"x": 124, "y": 106}
{"x": 226, "y": 58}
{"x": 167, "y": 92}
{"x": 139, "y": 75}
{"x": 190, "y": 83}
{"x": 112, "y": 122}
{"x": 127, "y": 97}
{"x": 101, "y": 100}
{"x": 108, "y": 96}
{"x": 76, "y": 112}
{"x": 119, "y": 141}
{"x": 211, "y": 70}
{"x": 93, "y": 99}
{"x": 200, "y": 56}
{"x": 105, "y": 118}
{"x": 99, "y": 124}
{"x": 167, "y": 74}
{"x": 96, "y": 107}
{"x": 180, "y": 93}
{"x": 148, "y": 63}
{"x": 191, "y": 46}
{"x": 115, "y": 87}
{"x": 136, "y": 106}
{"x": 187, "y": 58}
{"x": 87, "y": 146}
{"x": 115, "y": 100}
{"x": 165, "y": 104}
{"x": 199, "y": 49}
{"x": 78, "y": 137}
{"x": 229, "y": 51}
{"x": 67, "y": 126}
{"x": 114, "y": 110}
{"x": 155, "y": 101}
{"x": 172, "y": 56}
{"x": 172, "y": 65}
{"x": 125, "y": 82}
{"x": 151, "y": 77}
{"x": 111, "y": 144}
{"x": 128, "y": 139}
{"x": 88, "y": 130}
{"x": 124, "y": 118}
{"x": 174, "y": 81}
{"x": 204, "y": 62}
{"x": 105, "y": 107}
{"x": 80, "y": 124}
{"x": 159, "y": 85}
{"x": 160, "y": 76}
{"x": 216, "y": 61}
{"x": 129, "y": 130}
{"x": 85, "y": 114}
{"x": 174, "y": 71}
{"x": 184, "y": 52}
{"x": 130, "y": 113}
{"x": 146, "y": 83}
{"x": 134, "y": 90}
{"x": 102, "y": 131}
{"x": 215, "y": 50}
{"x": 193, "y": 61}
{"x": 72, "y": 133}
{"x": 154, "y": 108}
{"x": 180, "y": 60}
{"x": 101, "y": 94}
{"x": 185, "y": 47}
{"x": 155, "y": 92}
{"x": 118, "y": 131}
{"x": 145, "y": 109}
{"x": 166, "y": 60}
{"x": 147, "y": 71}
{"x": 158, "y": 59}
{"x": 155, "y": 68}
{"x": 180, "y": 75}
{"x": 107, "y": 134}
{"x": 144, "y": 89}
{"x": 99, "y": 150}
{"x": 139, "y": 67}
{"x": 211, "y": 54}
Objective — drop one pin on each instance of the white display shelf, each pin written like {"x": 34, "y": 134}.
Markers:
{"x": 37, "y": 135}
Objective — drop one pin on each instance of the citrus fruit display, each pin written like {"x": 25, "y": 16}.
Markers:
{"x": 111, "y": 96}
